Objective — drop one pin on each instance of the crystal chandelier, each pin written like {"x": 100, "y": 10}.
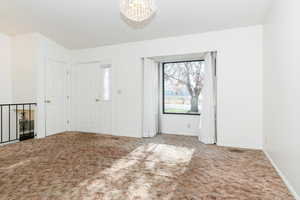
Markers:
{"x": 137, "y": 10}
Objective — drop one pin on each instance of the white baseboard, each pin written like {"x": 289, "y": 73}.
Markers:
{"x": 289, "y": 186}
{"x": 238, "y": 146}
{"x": 178, "y": 133}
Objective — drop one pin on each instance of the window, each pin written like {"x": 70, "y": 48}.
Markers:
{"x": 106, "y": 84}
{"x": 182, "y": 87}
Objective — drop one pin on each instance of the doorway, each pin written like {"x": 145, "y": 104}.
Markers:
{"x": 92, "y": 97}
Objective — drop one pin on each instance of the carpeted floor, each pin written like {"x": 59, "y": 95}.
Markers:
{"x": 88, "y": 166}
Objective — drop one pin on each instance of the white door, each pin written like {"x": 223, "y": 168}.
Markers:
{"x": 83, "y": 97}
{"x": 55, "y": 98}
{"x": 91, "y": 98}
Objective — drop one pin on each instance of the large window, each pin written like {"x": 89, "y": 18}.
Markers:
{"x": 182, "y": 87}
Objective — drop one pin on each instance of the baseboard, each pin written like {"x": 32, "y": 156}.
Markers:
{"x": 287, "y": 183}
{"x": 179, "y": 133}
{"x": 239, "y": 146}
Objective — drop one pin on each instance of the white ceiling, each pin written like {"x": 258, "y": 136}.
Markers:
{"x": 90, "y": 23}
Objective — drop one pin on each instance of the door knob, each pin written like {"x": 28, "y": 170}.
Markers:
{"x": 47, "y": 101}
{"x": 97, "y": 100}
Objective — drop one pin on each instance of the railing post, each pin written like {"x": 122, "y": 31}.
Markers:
{"x": 23, "y": 119}
{"x": 17, "y": 122}
{"x": 30, "y": 118}
{"x": 8, "y": 122}
{"x": 1, "y": 125}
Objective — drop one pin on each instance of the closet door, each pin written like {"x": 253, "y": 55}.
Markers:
{"x": 84, "y": 98}
{"x": 91, "y": 100}
{"x": 55, "y": 97}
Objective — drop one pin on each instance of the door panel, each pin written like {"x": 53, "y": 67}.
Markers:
{"x": 90, "y": 112}
{"x": 84, "y": 97}
{"x": 55, "y": 98}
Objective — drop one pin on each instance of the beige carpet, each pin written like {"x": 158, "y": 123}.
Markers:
{"x": 89, "y": 166}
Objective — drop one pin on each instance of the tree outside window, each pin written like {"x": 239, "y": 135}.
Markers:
{"x": 182, "y": 87}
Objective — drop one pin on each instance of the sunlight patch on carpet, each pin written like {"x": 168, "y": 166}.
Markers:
{"x": 144, "y": 173}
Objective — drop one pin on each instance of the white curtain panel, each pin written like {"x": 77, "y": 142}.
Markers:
{"x": 151, "y": 106}
{"x": 208, "y": 113}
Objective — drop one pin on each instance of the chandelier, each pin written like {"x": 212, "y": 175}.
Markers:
{"x": 137, "y": 10}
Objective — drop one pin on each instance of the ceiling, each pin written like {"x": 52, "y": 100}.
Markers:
{"x": 90, "y": 23}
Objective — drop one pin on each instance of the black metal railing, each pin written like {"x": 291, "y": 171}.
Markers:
{"x": 17, "y": 122}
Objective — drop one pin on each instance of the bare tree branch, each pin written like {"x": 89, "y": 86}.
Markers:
{"x": 188, "y": 74}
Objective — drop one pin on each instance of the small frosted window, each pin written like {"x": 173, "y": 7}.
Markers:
{"x": 106, "y": 83}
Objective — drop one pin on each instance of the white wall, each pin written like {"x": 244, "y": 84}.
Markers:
{"x": 6, "y": 84}
{"x": 24, "y": 51}
{"x": 5, "y": 69}
{"x": 239, "y": 80}
{"x": 180, "y": 124}
{"x": 281, "y": 89}
{"x": 30, "y": 52}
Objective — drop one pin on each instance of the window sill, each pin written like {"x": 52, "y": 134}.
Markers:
{"x": 191, "y": 114}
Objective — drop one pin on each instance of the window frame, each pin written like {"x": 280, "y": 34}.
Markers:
{"x": 163, "y": 88}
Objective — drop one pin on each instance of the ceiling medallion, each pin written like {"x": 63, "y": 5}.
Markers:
{"x": 137, "y": 10}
